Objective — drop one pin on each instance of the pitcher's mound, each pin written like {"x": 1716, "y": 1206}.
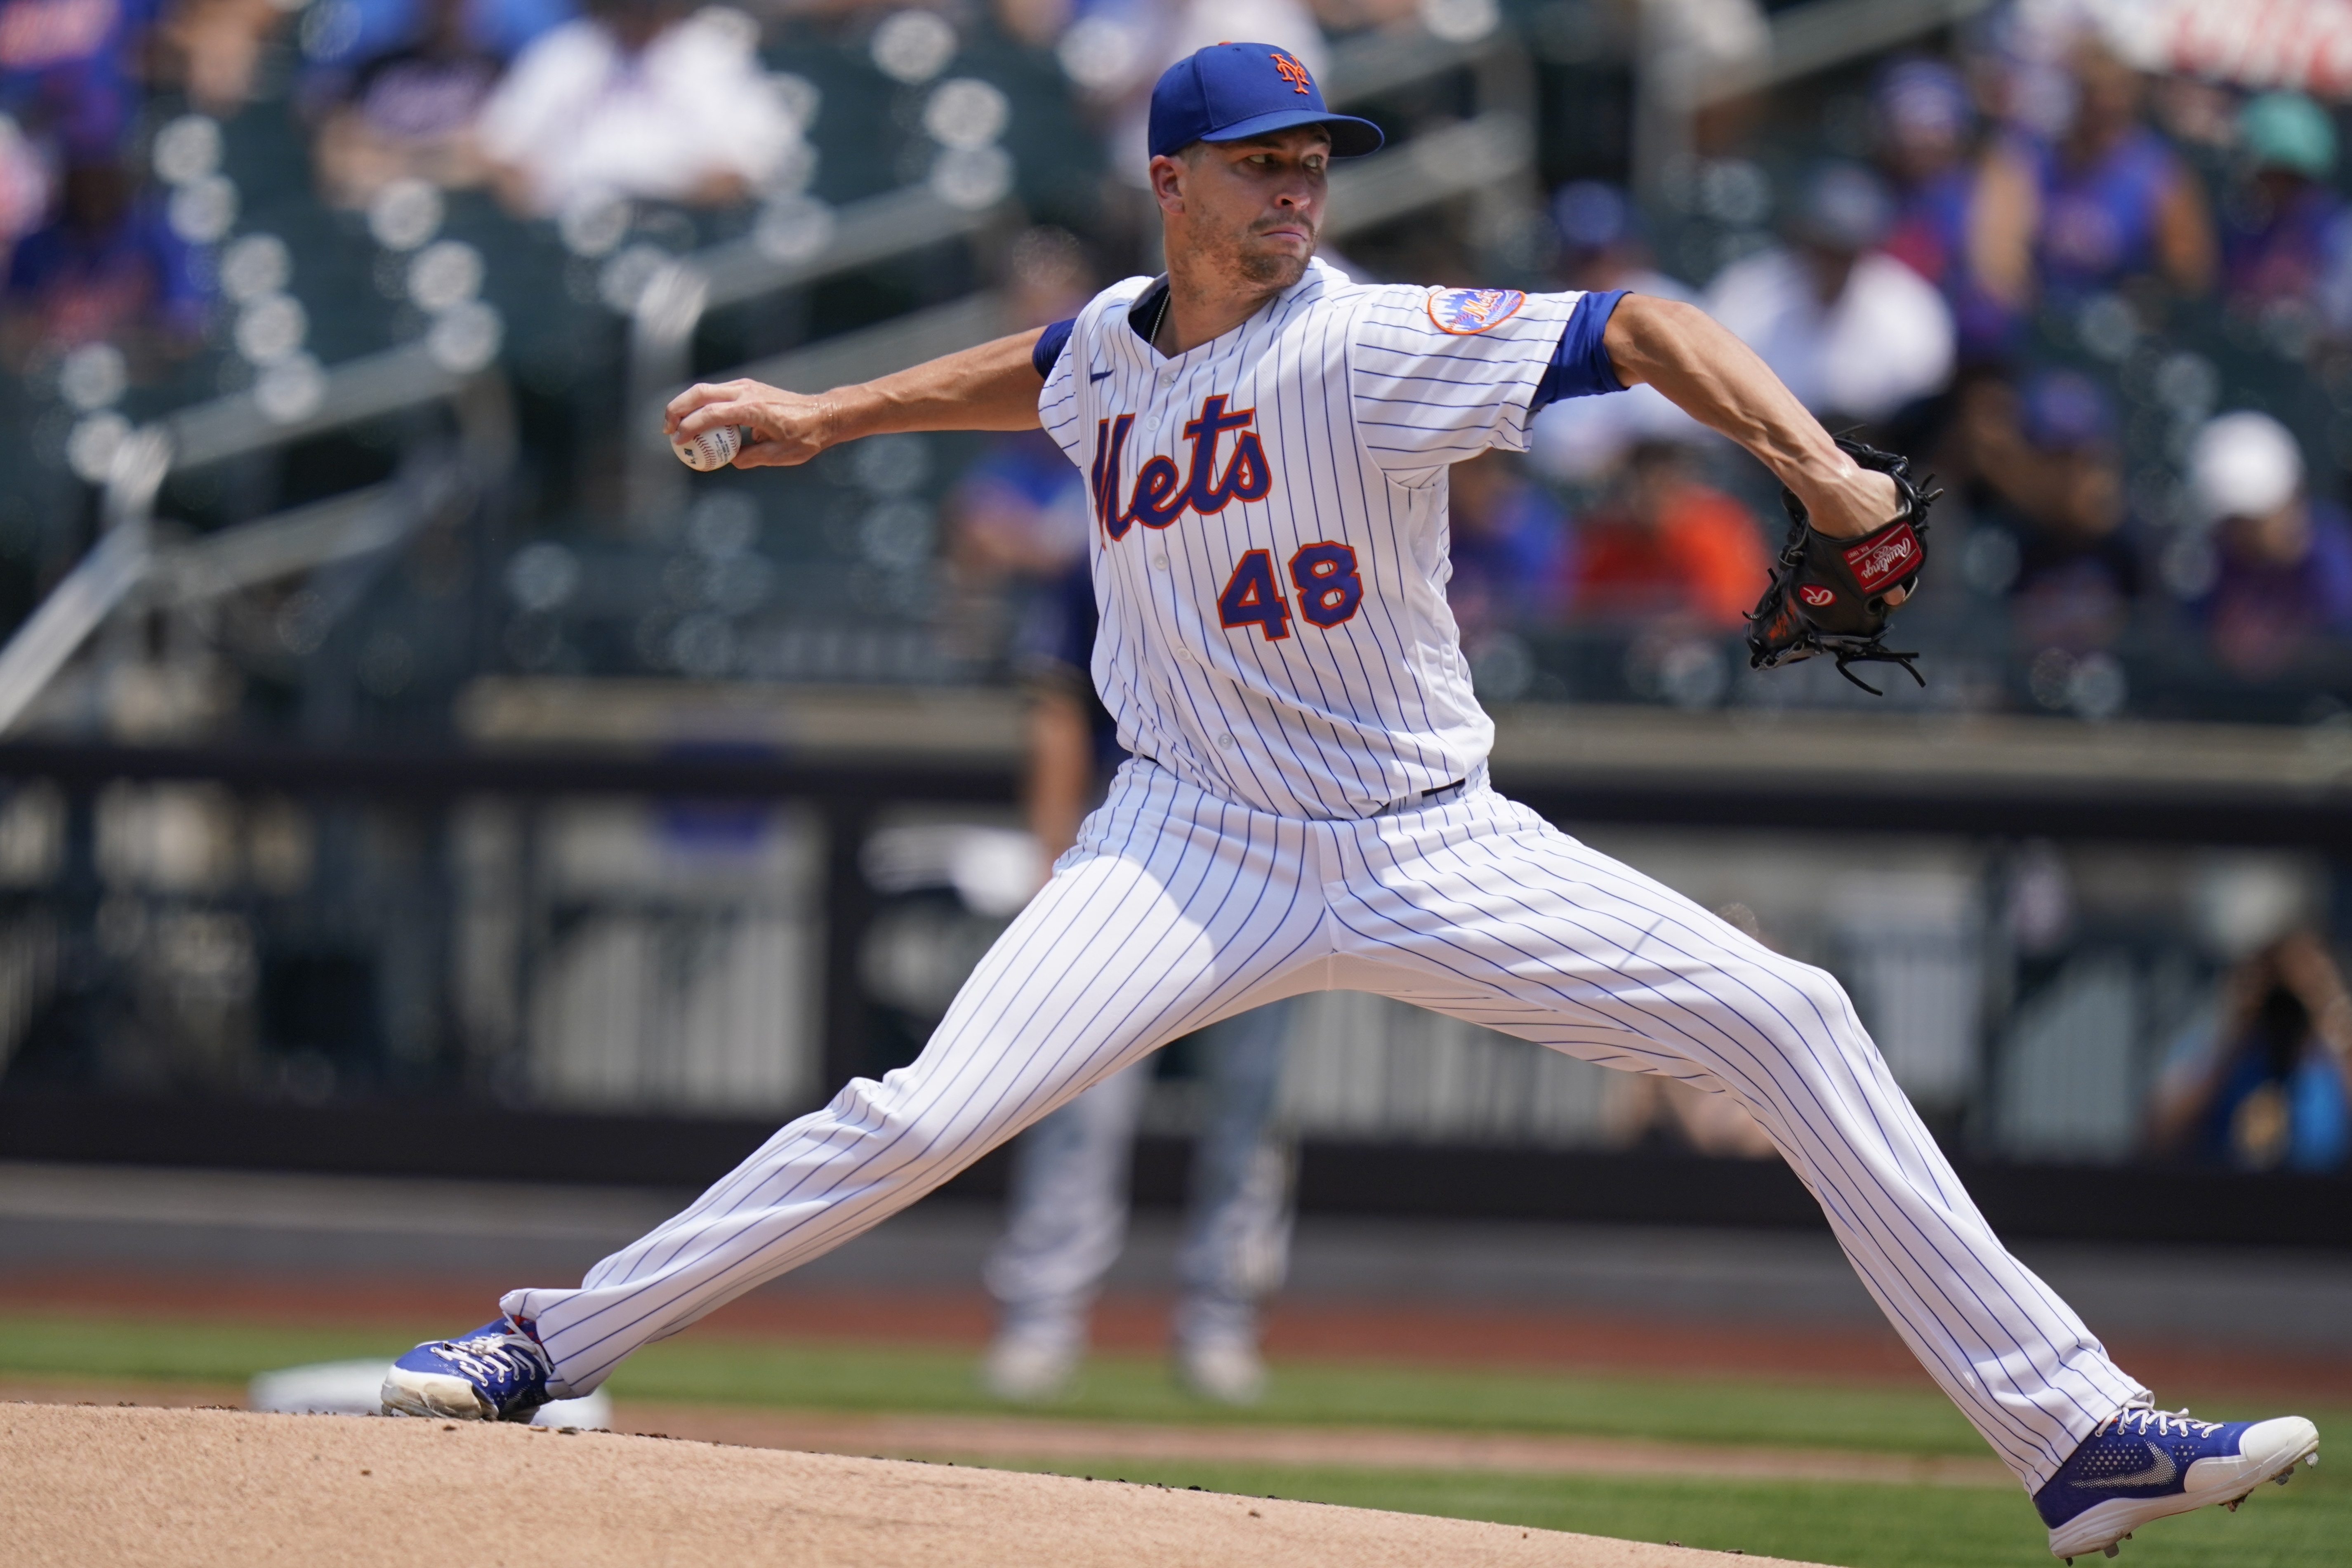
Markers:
{"x": 196, "y": 1487}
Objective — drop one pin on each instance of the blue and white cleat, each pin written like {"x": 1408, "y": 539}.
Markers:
{"x": 498, "y": 1372}
{"x": 2142, "y": 1464}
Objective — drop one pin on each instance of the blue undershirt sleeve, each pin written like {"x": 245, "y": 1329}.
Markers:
{"x": 1050, "y": 345}
{"x": 1580, "y": 365}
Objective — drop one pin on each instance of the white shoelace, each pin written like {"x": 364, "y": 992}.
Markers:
{"x": 488, "y": 1359}
{"x": 2147, "y": 1421}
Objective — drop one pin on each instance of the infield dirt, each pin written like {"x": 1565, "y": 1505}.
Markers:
{"x": 196, "y": 1488}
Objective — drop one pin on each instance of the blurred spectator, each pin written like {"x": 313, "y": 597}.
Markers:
{"x": 408, "y": 80}
{"x": 2200, "y": 117}
{"x": 2287, "y": 237}
{"x": 1926, "y": 135}
{"x": 1668, "y": 546}
{"x": 1509, "y": 548}
{"x": 2267, "y": 1085}
{"x": 24, "y": 187}
{"x": 69, "y": 69}
{"x": 2047, "y": 457}
{"x": 2281, "y": 562}
{"x": 1116, "y": 49}
{"x": 108, "y": 269}
{"x": 213, "y": 49}
{"x": 638, "y": 99}
{"x": 1582, "y": 440}
{"x": 1853, "y": 331}
{"x": 1045, "y": 22}
{"x": 2106, "y": 201}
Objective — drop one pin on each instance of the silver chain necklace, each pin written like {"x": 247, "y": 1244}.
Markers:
{"x": 1158, "y": 318}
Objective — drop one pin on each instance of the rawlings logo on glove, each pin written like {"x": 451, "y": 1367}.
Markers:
{"x": 1829, "y": 596}
{"x": 1877, "y": 565}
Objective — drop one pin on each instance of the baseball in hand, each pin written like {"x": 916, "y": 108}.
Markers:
{"x": 714, "y": 448}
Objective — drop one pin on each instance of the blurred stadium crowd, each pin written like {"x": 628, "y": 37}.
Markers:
{"x": 354, "y": 313}
{"x": 2111, "y": 310}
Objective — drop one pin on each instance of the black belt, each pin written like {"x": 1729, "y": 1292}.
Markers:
{"x": 1442, "y": 795}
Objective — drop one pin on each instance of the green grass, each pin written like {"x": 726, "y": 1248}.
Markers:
{"x": 1862, "y": 1526}
{"x": 179, "y": 1350}
{"x": 1134, "y": 1388}
{"x": 2305, "y": 1525}
{"x": 806, "y": 1376}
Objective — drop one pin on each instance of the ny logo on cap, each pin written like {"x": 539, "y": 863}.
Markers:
{"x": 1291, "y": 71}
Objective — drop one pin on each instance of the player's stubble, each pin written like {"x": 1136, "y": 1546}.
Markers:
{"x": 1225, "y": 238}
{"x": 1240, "y": 253}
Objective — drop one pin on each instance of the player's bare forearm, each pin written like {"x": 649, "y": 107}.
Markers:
{"x": 1719, "y": 381}
{"x": 991, "y": 387}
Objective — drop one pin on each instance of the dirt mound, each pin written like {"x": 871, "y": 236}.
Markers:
{"x": 196, "y": 1488}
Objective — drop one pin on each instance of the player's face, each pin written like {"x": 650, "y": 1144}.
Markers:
{"x": 1250, "y": 210}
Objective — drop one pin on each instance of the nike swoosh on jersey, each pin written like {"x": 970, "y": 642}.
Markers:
{"x": 2160, "y": 1472}
{"x": 1098, "y": 375}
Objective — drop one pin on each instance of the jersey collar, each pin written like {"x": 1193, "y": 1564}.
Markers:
{"x": 1146, "y": 307}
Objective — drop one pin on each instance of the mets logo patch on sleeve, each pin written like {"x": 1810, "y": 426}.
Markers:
{"x": 1466, "y": 310}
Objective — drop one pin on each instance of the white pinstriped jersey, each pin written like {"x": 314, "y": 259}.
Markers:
{"x": 1270, "y": 531}
{"x": 1271, "y": 564}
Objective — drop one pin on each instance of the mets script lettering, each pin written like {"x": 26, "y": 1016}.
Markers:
{"x": 1158, "y": 498}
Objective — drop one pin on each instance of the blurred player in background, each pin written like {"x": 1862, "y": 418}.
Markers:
{"x": 1016, "y": 519}
{"x": 1067, "y": 1212}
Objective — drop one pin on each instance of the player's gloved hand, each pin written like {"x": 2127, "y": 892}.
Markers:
{"x": 780, "y": 428}
{"x": 1831, "y": 595}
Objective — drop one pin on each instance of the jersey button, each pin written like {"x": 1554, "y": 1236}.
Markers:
{"x": 1226, "y": 742}
{"x": 1159, "y": 563}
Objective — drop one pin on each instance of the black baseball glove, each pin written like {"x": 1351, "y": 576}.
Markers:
{"x": 1829, "y": 595}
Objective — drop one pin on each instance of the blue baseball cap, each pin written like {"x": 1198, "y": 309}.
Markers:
{"x": 1228, "y": 91}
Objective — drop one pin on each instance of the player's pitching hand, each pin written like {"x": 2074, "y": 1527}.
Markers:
{"x": 1852, "y": 503}
{"x": 782, "y": 429}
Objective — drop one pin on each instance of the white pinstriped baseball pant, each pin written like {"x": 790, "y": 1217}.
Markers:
{"x": 1177, "y": 908}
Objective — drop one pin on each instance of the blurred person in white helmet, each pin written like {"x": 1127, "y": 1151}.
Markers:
{"x": 2280, "y": 569}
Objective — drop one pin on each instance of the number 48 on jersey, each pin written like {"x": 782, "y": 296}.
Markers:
{"x": 1324, "y": 574}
